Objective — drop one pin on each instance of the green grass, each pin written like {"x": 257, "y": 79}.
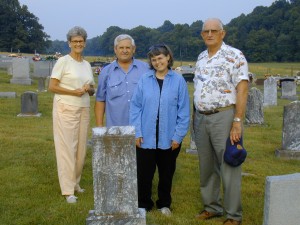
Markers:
{"x": 30, "y": 193}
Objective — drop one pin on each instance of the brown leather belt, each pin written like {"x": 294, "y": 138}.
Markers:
{"x": 213, "y": 111}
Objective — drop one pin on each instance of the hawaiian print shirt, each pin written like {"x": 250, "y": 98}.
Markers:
{"x": 216, "y": 78}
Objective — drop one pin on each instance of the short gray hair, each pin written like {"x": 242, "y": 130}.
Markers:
{"x": 76, "y": 31}
{"x": 122, "y": 37}
{"x": 213, "y": 19}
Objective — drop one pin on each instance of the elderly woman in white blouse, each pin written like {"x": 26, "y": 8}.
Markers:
{"x": 72, "y": 83}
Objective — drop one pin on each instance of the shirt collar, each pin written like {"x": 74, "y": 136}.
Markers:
{"x": 133, "y": 63}
{"x": 152, "y": 73}
{"x": 223, "y": 46}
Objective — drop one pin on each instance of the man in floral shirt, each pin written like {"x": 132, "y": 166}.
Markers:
{"x": 220, "y": 97}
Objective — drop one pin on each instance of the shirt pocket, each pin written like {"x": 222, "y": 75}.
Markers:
{"x": 173, "y": 100}
{"x": 116, "y": 89}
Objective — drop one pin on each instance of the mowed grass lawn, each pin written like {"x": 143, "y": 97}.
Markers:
{"x": 29, "y": 189}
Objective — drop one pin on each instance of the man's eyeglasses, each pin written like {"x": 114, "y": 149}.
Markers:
{"x": 206, "y": 32}
{"x": 77, "y": 42}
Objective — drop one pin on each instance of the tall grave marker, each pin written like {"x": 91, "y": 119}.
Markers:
{"x": 115, "y": 177}
{"x": 270, "y": 92}
{"x": 290, "y": 132}
{"x": 20, "y": 70}
{"x": 254, "y": 111}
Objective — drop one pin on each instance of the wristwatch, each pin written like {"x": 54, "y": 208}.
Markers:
{"x": 236, "y": 119}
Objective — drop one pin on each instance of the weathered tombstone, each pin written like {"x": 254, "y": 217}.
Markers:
{"x": 115, "y": 177}
{"x": 20, "y": 69}
{"x": 270, "y": 92}
{"x": 288, "y": 89}
{"x": 254, "y": 111}
{"x": 8, "y": 95}
{"x": 29, "y": 104}
{"x": 290, "y": 132}
{"x": 282, "y": 200}
{"x": 42, "y": 68}
{"x": 193, "y": 147}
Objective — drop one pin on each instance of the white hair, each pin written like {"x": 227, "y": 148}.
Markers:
{"x": 213, "y": 19}
{"x": 122, "y": 37}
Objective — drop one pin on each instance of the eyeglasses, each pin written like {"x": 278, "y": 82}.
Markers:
{"x": 77, "y": 42}
{"x": 157, "y": 46}
{"x": 213, "y": 32}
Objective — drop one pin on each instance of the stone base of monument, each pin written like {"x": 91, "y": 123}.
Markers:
{"x": 21, "y": 81}
{"x": 8, "y": 95}
{"x": 292, "y": 98}
{"x": 29, "y": 115}
{"x": 287, "y": 154}
{"x": 117, "y": 219}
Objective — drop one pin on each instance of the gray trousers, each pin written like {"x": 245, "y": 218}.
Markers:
{"x": 211, "y": 133}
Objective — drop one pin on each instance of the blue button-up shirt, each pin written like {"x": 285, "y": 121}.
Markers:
{"x": 115, "y": 88}
{"x": 172, "y": 103}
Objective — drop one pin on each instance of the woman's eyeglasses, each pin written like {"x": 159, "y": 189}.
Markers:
{"x": 77, "y": 42}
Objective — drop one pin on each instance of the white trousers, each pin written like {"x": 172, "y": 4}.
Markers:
{"x": 70, "y": 129}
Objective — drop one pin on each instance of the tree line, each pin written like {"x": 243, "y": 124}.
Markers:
{"x": 267, "y": 34}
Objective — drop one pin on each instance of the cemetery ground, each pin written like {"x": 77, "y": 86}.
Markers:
{"x": 30, "y": 193}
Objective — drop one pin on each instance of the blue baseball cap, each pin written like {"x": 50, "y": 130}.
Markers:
{"x": 235, "y": 154}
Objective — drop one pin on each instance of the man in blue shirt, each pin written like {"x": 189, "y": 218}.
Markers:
{"x": 117, "y": 82}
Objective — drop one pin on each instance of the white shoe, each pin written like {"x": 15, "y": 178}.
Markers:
{"x": 165, "y": 211}
{"x": 142, "y": 212}
{"x": 71, "y": 199}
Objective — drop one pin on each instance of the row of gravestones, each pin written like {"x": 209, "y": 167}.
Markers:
{"x": 19, "y": 68}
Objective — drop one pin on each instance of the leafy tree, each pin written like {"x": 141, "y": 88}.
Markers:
{"x": 260, "y": 46}
{"x": 19, "y": 29}
{"x": 166, "y": 27}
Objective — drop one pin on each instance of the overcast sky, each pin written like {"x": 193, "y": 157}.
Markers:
{"x": 58, "y": 16}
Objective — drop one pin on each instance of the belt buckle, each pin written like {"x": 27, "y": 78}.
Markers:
{"x": 213, "y": 111}
{"x": 210, "y": 112}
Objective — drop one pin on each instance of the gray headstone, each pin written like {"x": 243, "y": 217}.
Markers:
{"x": 41, "y": 84}
{"x": 8, "y": 95}
{"x": 270, "y": 92}
{"x": 115, "y": 177}
{"x": 290, "y": 131}
{"x": 20, "y": 69}
{"x": 254, "y": 111}
{"x": 5, "y": 62}
{"x": 29, "y": 104}
{"x": 288, "y": 90}
{"x": 43, "y": 68}
{"x": 282, "y": 200}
